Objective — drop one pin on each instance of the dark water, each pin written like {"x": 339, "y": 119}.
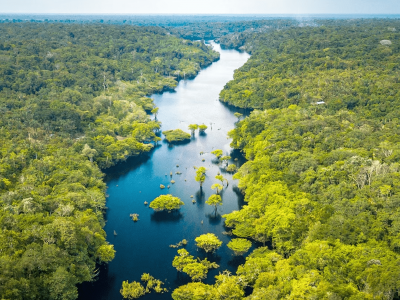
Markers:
{"x": 143, "y": 247}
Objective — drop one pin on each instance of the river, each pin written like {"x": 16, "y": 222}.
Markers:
{"x": 143, "y": 246}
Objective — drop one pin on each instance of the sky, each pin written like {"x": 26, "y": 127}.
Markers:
{"x": 201, "y": 6}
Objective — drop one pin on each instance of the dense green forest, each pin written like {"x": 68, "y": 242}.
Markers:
{"x": 322, "y": 177}
{"x": 321, "y": 182}
{"x": 73, "y": 101}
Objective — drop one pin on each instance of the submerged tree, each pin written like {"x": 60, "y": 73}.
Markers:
{"x": 201, "y": 175}
{"x": 217, "y": 186}
{"x": 196, "y": 269}
{"x": 166, "y": 202}
{"x": 214, "y": 200}
{"x": 132, "y": 290}
{"x": 209, "y": 242}
{"x": 202, "y": 128}
{"x": 231, "y": 168}
{"x": 220, "y": 178}
{"x": 225, "y": 159}
{"x": 239, "y": 246}
{"x": 218, "y": 153}
{"x": 193, "y": 128}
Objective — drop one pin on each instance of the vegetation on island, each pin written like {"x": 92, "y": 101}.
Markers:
{"x": 209, "y": 242}
{"x": 166, "y": 202}
{"x": 176, "y": 135}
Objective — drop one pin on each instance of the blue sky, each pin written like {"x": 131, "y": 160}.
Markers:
{"x": 202, "y": 6}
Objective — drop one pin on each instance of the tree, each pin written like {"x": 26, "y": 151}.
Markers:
{"x": 194, "y": 290}
{"x": 89, "y": 152}
{"x": 217, "y": 186}
{"x": 133, "y": 290}
{"x": 152, "y": 283}
{"x": 193, "y": 128}
{"x": 202, "y": 128}
{"x": 225, "y": 159}
{"x": 196, "y": 269}
{"x": 208, "y": 242}
{"x": 231, "y": 168}
{"x": 238, "y": 115}
{"x": 154, "y": 111}
{"x": 166, "y": 202}
{"x": 239, "y": 246}
{"x": 221, "y": 178}
{"x": 214, "y": 200}
{"x": 201, "y": 175}
{"x": 106, "y": 253}
{"x": 218, "y": 153}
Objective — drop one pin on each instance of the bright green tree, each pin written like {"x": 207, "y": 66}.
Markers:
{"x": 133, "y": 290}
{"x": 218, "y": 187}
{"x": 218, "y": 153}
{"x": 214, "y": 200}
{"x": 193, "y": 128}
{"x": 202, "y": 128}
{"x": 208, "y": 242}
{"x": 200, "y": 175}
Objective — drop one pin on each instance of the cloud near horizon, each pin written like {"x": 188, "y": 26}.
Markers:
{"x": 202, "y": 7}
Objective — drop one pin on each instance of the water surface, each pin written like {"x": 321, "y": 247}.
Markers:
{"x": 143, "y": 247}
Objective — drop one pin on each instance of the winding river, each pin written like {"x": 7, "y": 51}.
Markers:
{"x": 143, "y": 246}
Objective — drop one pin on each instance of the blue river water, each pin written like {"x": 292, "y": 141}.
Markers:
{"x": 143, "y": 246}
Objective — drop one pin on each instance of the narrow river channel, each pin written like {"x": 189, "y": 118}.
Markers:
{"x": 143, "y": 247}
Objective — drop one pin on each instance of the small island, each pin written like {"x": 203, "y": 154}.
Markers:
{"x": 176, "y": 136}
{"x": 166, "y": 202}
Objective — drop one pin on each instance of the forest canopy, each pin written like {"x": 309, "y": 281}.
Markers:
{"x": 73, "y": 101}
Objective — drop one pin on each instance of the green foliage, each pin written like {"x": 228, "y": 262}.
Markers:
{"x": 133, "y": 290}
{"x": 239, "y": 246}
{"x": 209, "y": 242}
{"x": 218, "y": 187}
{"x": 214, "y": 200}
{"x": 193, "y": 128}
{"x": 200, "y": 175}
{"x": 231, "y": 168}
{"x": 166, "y": 202}
{"x": 73, "y": 100}
{"x": 196, "y": 269}
{"x": 321, "y": 180}
{"x": 226, "y": 286}
{"x": 238, "y": 115}
{"x": 202, "y": 128}
{"x": 218, "y": 153}
{"x": 152, "y": 284}
{"x": 340, "y": 63}
{"x": 177, "y": 135}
